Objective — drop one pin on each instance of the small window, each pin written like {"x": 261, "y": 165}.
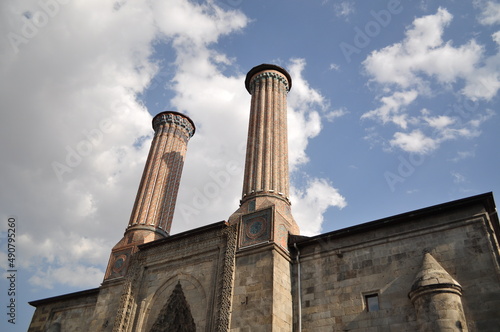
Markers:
{"x": 371, "y": 301}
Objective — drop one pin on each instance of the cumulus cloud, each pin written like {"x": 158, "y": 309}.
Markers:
{"x": 304, "y": 121}
{"x": 439, "y": 122}
{"x": 440, "y": 128}
{"x": 490, "y": 12}
{"x": 410, "y": 71}
{"x": 423, "y": 55}
{"x": 312, "y": 202}
{"x": 415, "y": 142}
{"x": 393, "y": 108}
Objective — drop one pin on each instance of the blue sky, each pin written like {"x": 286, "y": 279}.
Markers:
{"x": 393, "y": 108}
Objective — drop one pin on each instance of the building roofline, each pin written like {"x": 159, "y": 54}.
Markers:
{"x": 202, "y": 229}
{"x": 64, "y": 297}
{"x": 486, "y": 199}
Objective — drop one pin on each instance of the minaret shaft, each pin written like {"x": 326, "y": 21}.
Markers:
{"x": 153, "y": 210}
{"x": 264, "y": 219}
{"x": 155, "y": 201}
{"x": 266, "y": 165}
{"x": 266, "y": 179}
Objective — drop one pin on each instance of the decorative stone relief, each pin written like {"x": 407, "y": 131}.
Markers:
{"x": 256, "y": 227}
{"x": 176, "y": 315}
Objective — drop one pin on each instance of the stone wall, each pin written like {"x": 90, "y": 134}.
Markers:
{"x": 341, "y": 268}
{"x": 71, "y": 312}
{"x": 106, "y": 306}
{"x": 262, "y": 299}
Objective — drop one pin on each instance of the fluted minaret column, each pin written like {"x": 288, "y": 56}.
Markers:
{"x": 266, "y": 181}
{"x": 155, "y": 202}
{"x": 264, "y": 219}
{"x": 154, "y": 205}
{"x": 266, "y": 165}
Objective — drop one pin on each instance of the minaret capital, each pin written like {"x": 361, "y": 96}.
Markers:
{"x": 174, "y": 118}
{"x": 267, "y": 70}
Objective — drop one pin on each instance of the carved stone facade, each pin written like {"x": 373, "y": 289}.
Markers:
{"x": 434, "y": 269}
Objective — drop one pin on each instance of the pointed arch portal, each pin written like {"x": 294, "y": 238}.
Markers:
{"x": 176, "y": 315}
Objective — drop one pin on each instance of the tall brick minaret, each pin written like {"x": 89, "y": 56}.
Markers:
{"x": 262, "y": 283}
{"x": 154, "y": 205}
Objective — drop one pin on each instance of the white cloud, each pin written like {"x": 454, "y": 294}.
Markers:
{"x": 439, "y": 122}
{"x": 334, "y": 67}
{"x": 464, "y": 155}
{"x": 407, "y": 70}
{"x": 423, "y": 51}
{"x": 496, "y": 37}
{"x": 70, "y": 274}
{"x": 310, "y": 204}
{"x": 457, "y": 177}
{"x": 439, "y": 129}
{"x": 332, "y": 115}
{"x": 392, "y": 109}
{"x": 344, "y": 9}
{"x": 490, "y": 13}
{"x": 415, "y": 142}
{"x": 304, "y": 121}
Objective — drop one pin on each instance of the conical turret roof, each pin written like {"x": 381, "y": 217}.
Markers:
{"x": 432, "y": 273}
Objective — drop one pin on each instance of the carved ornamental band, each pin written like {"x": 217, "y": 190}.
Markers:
{"x": 178, "y": 119}
{"x": 265, "y": 75}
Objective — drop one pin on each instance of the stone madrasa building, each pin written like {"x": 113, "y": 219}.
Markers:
{"x": 433, "y": 269}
